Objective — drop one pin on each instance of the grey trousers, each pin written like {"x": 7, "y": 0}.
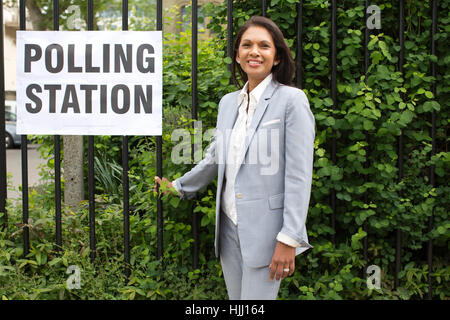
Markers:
{"x": 243, "y": 282}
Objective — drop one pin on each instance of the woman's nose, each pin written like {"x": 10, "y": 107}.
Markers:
{"x": 254, "y": 51}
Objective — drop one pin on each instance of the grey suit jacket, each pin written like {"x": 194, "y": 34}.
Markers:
{"x": 271, "y": 195}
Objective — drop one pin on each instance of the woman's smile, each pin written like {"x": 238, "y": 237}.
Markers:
{"x": 254, "y": 63}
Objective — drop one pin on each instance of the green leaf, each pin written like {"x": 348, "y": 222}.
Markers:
{"x": 174, "y": 202}
{"x": 328, "y": 102}
{"x": 330, "y": 121}
{"x": 429, "y": 94}
{"x": 384, "y": 49}
{"x": 204, "y": 221}
{"x": 368, "y": 125}
{"x": 409, "y": 44}
{"x": 406, "y": 116}
{"x": 323, "y": 172}
{"x": 442, "y": 230}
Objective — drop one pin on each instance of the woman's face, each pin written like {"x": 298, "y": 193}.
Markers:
{"x": 256, "y": 54}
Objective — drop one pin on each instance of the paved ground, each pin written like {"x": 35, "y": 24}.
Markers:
{"x": 14, "y": 167}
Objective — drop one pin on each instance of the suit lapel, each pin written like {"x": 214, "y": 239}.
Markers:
{"x": 259, "y": 112}
{"x": 231, "y": 116}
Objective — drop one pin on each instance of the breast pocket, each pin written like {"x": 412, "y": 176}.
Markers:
{"x": 276, "y": 201}
{"x": 270, "y": 122}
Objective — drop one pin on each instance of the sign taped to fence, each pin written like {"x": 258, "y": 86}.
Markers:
{"x": 89, "y": 82}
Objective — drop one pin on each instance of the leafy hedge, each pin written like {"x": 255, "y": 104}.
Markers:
{"x": 371, "y": 113}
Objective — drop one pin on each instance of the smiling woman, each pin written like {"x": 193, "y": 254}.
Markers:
{"x": 260, "y": 215}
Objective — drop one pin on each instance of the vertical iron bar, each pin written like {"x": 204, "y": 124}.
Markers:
{"x": 366, "y": 163}
{"x": 230, "y": 31}
{"x": 91, "y": 188}
{"x": 333, "y": 97}
{"x": 264, "y": 8}
{"x": 299, "y": 55}
{"x": 398, "y": 242}
{"x": 433, "y": 144}
{"x": 91, "y": 183}
{"x": 3, "y": 173}
{"x": 126, "y": 210}
{"x": 366, "y": 40}
{"x": 24, "y": 154}
{"x": 194, "y": 115}
{"x": 57, "y": 150}
{"x": 159, "y": 171}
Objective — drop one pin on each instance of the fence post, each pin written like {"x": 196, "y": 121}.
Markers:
{"x": 24, "y": 156}
{"x": 159, "y": 171}
{"x": 91, "y": 183}
{"x": 57, "y": 151}
{"x": 433, "y": 143}
{"x": 230, "y": 32}
{"x": 333, "y": 97}
{"x": 398, "y": 241}
{"x": 126, "y": 212}
{"x": 366, "y": 163}
{"x": 194, "y": 114}
{"x": 3, "y": 173}
{"x": 299, "y": 55}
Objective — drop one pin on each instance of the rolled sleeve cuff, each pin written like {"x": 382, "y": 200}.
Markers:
{"x": 287, "y": 240}
{"x": 282, "y": 237}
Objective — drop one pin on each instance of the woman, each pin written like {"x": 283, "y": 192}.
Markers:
{"x": 260, "y": 210}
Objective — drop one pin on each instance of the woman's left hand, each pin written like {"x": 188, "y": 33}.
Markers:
{"x": 282, "y": 260}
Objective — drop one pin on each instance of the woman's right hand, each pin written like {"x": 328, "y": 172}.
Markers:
{"x": 159, "y": 182}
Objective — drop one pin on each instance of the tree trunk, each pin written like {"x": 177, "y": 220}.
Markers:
{"x": 35, "y": 15}
{"x": 73, "y": 171}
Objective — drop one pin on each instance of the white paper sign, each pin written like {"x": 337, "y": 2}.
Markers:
{"x": 89, "y": 82}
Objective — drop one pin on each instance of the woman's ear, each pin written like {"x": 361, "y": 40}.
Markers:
{"x": 276, "y": 61}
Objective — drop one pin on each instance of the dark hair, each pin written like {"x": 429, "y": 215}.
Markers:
{"x": 282, "y": 72}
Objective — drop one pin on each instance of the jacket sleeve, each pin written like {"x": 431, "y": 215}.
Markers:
{"x": 203, "y": 172}
{"x": 299, "y": 152}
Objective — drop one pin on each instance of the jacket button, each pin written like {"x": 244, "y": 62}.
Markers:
{"x": 239, "y": 195}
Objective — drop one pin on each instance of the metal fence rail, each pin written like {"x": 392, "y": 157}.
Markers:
{"x": 124, "y": 152}
{"x": 3, "y": 181}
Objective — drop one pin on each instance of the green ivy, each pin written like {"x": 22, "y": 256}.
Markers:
{"x": 372, "y": 110}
